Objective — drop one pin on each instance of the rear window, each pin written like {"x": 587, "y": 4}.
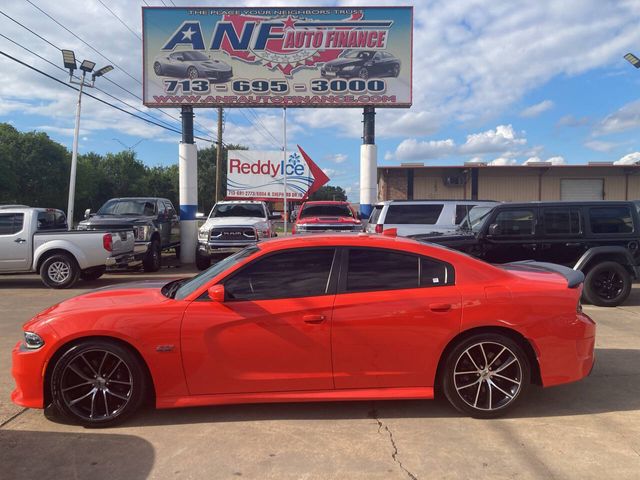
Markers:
{"x": 325, "y": 211}
{"x": 51, "y": 220}
{"x": 375, "y": 214}
{"x": 611, "y": 220}
{"x": 414, "y": 214}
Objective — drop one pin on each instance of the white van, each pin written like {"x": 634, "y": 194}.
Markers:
{"x": 412, "y": 217}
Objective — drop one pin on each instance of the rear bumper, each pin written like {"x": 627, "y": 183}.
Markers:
{"x": 570, "y": 356}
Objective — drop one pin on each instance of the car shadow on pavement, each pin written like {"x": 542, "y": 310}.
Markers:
{"x": 24, "y": 454}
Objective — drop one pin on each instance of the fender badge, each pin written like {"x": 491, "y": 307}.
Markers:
{"x": 164, "y": 348}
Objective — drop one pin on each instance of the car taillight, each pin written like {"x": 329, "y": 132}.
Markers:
{"x": 293, "y": 229}
{"x": 107, "y": 242}
{"x": 379, "y": 228}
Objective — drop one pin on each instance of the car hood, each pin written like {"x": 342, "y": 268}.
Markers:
{"x": 113, "y": 296}
{"x": 344, "y": 62}
{"x": 111, "y": 221}
{"x": 232, "y": 222}
{"x": 327, "y": 219}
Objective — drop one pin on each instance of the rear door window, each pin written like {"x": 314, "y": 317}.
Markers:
{"x": 414, "y": 214}
{"x": 11, "y": 223}
{"x": 611, "y": 220}
{"x": 561, "y": 221}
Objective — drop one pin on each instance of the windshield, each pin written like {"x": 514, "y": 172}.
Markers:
{"x": 128, "y": 207}
{"x": 475, "y": 218}
{"x": 361, "y": 55}
{"x": 237, "y": 210}
{"x": 202, "y": 278}
{"x": 195, "y": 56}
{"x": 326, "y": 211}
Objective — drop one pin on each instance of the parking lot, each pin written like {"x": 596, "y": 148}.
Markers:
{"x": 590, "y": 429}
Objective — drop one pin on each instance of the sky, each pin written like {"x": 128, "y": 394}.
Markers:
{"x": 496, "y": 81}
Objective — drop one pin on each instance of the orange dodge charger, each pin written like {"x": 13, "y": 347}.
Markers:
{"x": 313, "y": 318}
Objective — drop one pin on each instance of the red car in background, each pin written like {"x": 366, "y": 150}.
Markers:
{"x": 311, "y": 318}
{"x": 326, "y": 216}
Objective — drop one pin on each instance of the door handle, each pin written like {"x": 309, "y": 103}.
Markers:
{"x": 439, "y": 307}
{"x": 19, "y": 240}
{"x": 572, "y": 244}
{"x": 314, "y": 318}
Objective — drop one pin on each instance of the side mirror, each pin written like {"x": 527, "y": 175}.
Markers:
{"x": 494, "y": 229}
{"x": 216, "y": 293}
{"x": 87, "y": 213}
{"x": 275, "y": 217}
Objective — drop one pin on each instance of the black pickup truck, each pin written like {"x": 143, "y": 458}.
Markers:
{"x": 154, "y": 221}
{"x": 601, "y": 239}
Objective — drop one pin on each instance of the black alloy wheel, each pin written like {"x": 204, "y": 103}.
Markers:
{"x": 152, "y": 260}
{"x": 607, "y": 284}
{"x": 192, "y": 72}
{"x": 97, "y": 383}
{"x": 363, "y": 73}
{"x": 157, "y": 68}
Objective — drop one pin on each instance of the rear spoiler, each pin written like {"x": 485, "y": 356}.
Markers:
{"x": 573, "y": 277}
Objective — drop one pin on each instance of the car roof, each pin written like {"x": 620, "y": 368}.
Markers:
{"x": 326, "y": 202}
{"x": 225, "y": 202}
{"x": 592, "y": 203}
{"x": 435, "y": 201}
{"x": 360, "y": 239}
{"x": 137, "y": 198}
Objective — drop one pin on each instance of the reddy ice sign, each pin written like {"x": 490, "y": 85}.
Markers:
{"x": 277, "y": 57}
{"x": 260, "y": 175}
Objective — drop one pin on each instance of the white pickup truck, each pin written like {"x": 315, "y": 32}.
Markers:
{"x": 231, "y": 226}
{"x": 37, "y": 240}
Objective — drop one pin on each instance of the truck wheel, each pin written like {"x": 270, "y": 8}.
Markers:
{"x": 59, "y": 271}
{"x": 607, "y": 284}
{"x": 93, "y": 273}
{"x": 152, "y": 259}
{"x": 177, "y": 250}
{"x": 202, "y": 262}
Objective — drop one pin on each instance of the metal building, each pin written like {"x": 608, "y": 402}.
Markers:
{"x": 514, "y": 183}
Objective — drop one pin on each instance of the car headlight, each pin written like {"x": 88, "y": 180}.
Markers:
{"x": 301, "y": 227}
{"x": 263, "y": 231}
{"x": 33, "y": 340}
{"x": 350, "y": 68}
{"x": 142, "y": 232}
{"x": 82, "y": 226}
{"x": 203, "y": 235}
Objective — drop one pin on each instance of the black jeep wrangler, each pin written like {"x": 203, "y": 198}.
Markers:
{"x": 601, "y": 239}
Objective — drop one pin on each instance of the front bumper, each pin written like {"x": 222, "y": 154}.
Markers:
{"x": 228, "y": 246}
{"x": 340, "y": 73}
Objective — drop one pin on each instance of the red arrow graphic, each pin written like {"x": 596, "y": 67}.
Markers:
{"x": 319, "y": 178}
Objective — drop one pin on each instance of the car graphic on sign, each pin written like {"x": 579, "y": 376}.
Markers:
{"x": 363, "y": 64}
{"x": 191, "y": 64}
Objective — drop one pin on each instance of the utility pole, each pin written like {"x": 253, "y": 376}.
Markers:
{"x": 219, "y": 157}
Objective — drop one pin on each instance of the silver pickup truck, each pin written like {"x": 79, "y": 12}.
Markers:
{"x": 37, "y": 240}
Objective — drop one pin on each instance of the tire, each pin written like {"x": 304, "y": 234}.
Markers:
{"x": 396, "y": 70}
{"x": 192, "y": 72}
{"x": 157, "y": 68}
{"x": 202, "y": 262}
{"x": 177, "y": 250}
{"x": 93, "y": 273}
{"x": 98, "y": 383}
{"x": 59, "y": 271}
{"x": 152, "y": 260}
{"x": 497, "y": 392}
{"x": 363, "y": 73}
{"x": 607, "y": 284}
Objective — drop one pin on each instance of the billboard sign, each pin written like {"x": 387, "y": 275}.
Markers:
{"x": 259, "y": 175}
{"x": 277, "y": 57}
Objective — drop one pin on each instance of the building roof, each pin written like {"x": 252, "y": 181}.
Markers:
{"x": 593, "y": 165}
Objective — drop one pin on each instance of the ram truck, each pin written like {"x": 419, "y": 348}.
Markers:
{"x": 37, "y": 240}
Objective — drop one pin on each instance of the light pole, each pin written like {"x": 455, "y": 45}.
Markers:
{"x": 87, "y": 66}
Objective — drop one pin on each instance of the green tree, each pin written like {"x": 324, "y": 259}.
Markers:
{"x": 329, "y": 192}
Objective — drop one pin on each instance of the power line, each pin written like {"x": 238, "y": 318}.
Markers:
{"x": 202, "y": 129}
{"x": 97, "y": 98}
{"x": 120, "y": 20}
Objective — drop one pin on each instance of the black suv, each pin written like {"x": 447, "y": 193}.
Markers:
{"x": 601, "y": 239}
{"x": 154, "y": 221}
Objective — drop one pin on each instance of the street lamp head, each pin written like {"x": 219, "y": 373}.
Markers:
{"x": 69, "y": 60}
{"x": 87, "y": 66}
{"x": 632, "y": 59}
{"x": 102, "y": 71}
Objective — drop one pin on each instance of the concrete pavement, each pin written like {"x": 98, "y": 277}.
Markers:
{"x": 590, "y": 429}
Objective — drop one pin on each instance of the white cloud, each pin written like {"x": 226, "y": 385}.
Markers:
{"x": 600, "y": 146}
{"x": 412, "y": 149}
{"x": 337, "y": 158}
{"x": 537, "y": 109}
{"x": 557, "y": 160}
{"x": 630, "y": 159}
{"x": 573, "y": 121}
{"x": 503, "y": 161}
{"x": 329, "y": 172}
{"x": 501, "y": 139}
{"x": 626, "y": 118}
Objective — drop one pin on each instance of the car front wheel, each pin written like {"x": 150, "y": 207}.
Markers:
{"x": 192, "y": 72}
{"x": 153, "y": 258}
{"x": 97, "y": 383}
{"x": 202, "y": 261}
{"x": 363, "y": 73}
{"x": 608, "y": 284}
{"x": 485, "y": 375}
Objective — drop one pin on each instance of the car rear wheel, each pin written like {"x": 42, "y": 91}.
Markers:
{"x": 59, "y": 271}
{"x": 363, "y": 73}
{"x": 485, "y": 375}
{"x": 157, "y": 68}
{"x": 93, "y": 273}
{"x": 153, "y": 258}
{"x": 607, "y": 284}
{"x": 98, "y": 383}
{"x": 192, "y": 72}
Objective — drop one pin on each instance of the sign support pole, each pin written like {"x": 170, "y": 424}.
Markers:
{"x": 188, "y": 182}
{"x": 219, "y": 157}
{"x": 368, "y": 163}
{"x": 284, "y": 163}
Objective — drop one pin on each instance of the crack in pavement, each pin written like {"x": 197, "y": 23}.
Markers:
{"x": 13, "y": 417}
{"x": 373, "y": 413}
